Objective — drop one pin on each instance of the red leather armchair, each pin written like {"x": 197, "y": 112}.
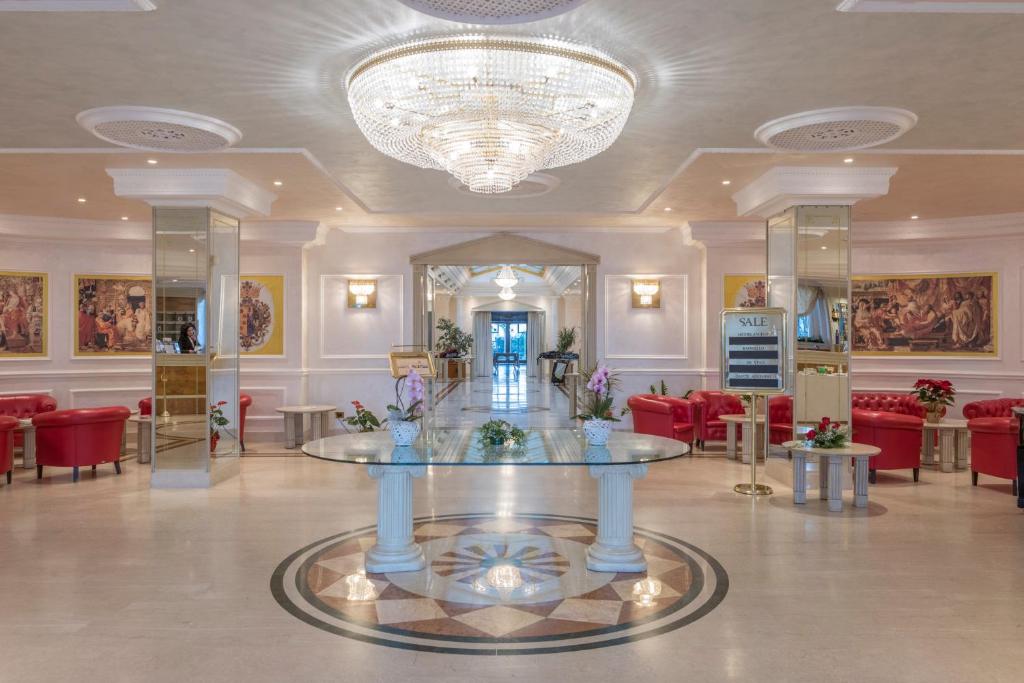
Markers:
{"x": 710, "y": 406}
{"x": 780, "y": 419}
{"x": 993, "y": 428}
{"x": 8, "y": 427}
{"x": 665, "y": 416}
{"x": 73, "y": 438}
{"x": 900, "y": 404}
{"x": 897, "y": 434}
{"x": 25, "y": 407}
{"x": 244, "y": 401}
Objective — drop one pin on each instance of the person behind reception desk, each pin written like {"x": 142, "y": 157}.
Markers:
{"x": 188, "y": 342}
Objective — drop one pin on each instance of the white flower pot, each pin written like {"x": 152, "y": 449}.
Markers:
{"x": 597, "y": 431}
{"x": 403, "y": 432}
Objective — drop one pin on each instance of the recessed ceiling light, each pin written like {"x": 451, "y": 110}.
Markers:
{"x": 278, "y": 183}
{"x": 82, "y": 200}
{"x": 727, "y": 182}
{"x": 668, "y": 209}
{"x": 191, "y": 251}
{"x": 914, "y": 217}
{"x": 124, "y": 218}
{"x": 339, "y": 208}
{"x": 152, "y": 162}
{"x": 848, "y": 160}
{"x": 823, "y": 247}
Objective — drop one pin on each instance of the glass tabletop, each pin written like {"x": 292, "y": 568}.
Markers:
{"x": 456, "y": 447}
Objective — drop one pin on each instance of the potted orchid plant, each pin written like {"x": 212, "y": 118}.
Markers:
{"x": 934, "y": 395}
{"x": 403, "y": 415}
{"x": 598, "y": 403}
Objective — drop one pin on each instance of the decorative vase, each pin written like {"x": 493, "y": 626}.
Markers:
{"x": 597, "y": 431}
{"x": 403, "y": 432}
{"x": 214, "y": 439}
{"x": 933, "y": 416}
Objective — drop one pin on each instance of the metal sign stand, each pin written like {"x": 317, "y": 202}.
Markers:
{"x": 753, "y": 488}
{"x": 1019, "y": 412}
{"x": 754, "y": 362}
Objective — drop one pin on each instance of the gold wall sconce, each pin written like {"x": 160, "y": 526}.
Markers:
{"x": 646, "y": 294}
{"x": 362, "y": 294}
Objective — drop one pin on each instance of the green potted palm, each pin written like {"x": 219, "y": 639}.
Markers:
{"x": 452, "y": 343}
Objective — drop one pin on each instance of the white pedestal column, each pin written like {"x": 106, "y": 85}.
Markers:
{"x": 730, "y": 439}
{"x": 947, "y": 448}
{"x": 799, "y": 477}
{"x": 614, "y": 549}
{"x": 319, "y": 425}
{"x": 395, "y": 550}
{"x": 835, "y": 483}
{"x": 292, "y": 430}
{"x": 860, "y": 482}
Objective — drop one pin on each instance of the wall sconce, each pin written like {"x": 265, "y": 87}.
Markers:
{"x": 362, "y": 294}
{"x": 646, "y": 294}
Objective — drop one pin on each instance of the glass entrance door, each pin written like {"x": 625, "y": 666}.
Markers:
{"x": 508, "y": 334}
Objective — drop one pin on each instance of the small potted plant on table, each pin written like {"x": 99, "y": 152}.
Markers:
{"x": 501, "y": 433}
{"x": 829, "y": 434}
{"x": 452, "y": 344}
{"x": 598, "y": 402}
{"x": 403, "y": 418}
{"x": 934, "y": 395}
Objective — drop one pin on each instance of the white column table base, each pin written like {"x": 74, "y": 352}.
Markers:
{"x": 928, "y": 448}
{"x": 730, "y": 439}
{"x": 28, "y": 450}
{"x": 292, "y": 430}
{"x": 799, "y": 477}
{"x": 947, "y": 449}
{"x": 319, "y": 425}
{"x": 614, "y": 549}
{"x": 963, "y": 448}
{"x": 835, "y": 482}
{"x": 860, "y": 481}
{"x": 395, "y": 550}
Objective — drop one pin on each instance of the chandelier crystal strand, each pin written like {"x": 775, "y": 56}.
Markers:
{"x": 490, "y": 110}
{"x": 506, "y": 278}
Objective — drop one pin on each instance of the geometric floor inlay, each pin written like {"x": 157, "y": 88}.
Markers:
{"x": 499, "y": 585}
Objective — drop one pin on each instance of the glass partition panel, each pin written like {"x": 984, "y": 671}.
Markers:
{"x": 224, "y": 334}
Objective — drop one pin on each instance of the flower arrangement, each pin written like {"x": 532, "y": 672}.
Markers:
{"x": 364, "y": 420}
{"x": 501, "y": 433}
{"x": 217, "y": 419}
{"x": 598, "y": 402}
{"x": 934, "y": 394}
{"x": 829, "y": 434}
{"x": 414, "y": 391}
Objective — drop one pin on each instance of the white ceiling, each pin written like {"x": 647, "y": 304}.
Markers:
{"x": 711, "y": 71}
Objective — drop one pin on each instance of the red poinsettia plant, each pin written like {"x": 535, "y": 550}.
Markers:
{"x": 934, "y": 393}
{"x": 829, "y": 434}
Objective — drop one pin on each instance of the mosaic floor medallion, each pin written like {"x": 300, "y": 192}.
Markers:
{"x": 499, "y": 585}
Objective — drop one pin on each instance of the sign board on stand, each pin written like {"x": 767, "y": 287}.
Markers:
{"x": 404, "y": 361}
{"x": 753, "y": 362}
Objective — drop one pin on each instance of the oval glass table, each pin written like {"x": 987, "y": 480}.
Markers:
{"x": 615, "y": 465}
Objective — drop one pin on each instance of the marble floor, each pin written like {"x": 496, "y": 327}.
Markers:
{"x": 107, "y": 580}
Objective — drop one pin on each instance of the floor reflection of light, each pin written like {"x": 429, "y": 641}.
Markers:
{"x": 360, "y": 588}
{"x": 645, "y": 591}
{"x": 504, "y": 577}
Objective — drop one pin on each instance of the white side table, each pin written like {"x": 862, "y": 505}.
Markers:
{"x": 733, "y": 423}
{"x": 28, "y": 451}
{"x": 954, "y": 444}
{"x": 143, "y": 436}
{"x": 831, "y": 488}
{"x": 294, "y": 427}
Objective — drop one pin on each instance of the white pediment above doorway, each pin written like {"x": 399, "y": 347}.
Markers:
{"x": 504, "y": 247}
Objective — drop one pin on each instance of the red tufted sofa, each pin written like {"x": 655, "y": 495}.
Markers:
{"x": 25, "y": 407}
{"x": 710, "y": 406}
{"x": 74, "y": 438}
{"x": 8, "y": 427}
{"x": 244, "y": 401}
{"x": 892, "y": 422}
{"x": 780, "y": 419}
{"x": 666, "y": 416}
{"x": 994, "y": 429}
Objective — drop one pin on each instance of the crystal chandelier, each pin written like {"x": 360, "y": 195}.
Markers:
{"x": 506, "y": 294}
{"x": 490, "y": 109}
{"x": 506, "y": 278}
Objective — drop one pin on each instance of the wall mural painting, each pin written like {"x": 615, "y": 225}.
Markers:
{"x": 23, "y": 310}
{"x": 114, "y": 315}
{"x": 261, "y": 315}
{"x": 952, "y": 314}
{"x": 745, "y": 291}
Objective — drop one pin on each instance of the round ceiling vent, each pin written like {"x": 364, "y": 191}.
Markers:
{"x": 493, "y": 11}
{"x": 535, "y": 185}
{"x": 159, "y": 130}
{"x": 836, "y": 130}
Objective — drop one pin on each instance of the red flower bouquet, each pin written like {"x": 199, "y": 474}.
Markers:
{"x": 829, "y": 434}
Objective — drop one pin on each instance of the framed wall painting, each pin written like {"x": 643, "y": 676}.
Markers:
{"x": 744, "y": 291}
{"x": 948, "y": 314}
{"x": 113, "y": 316}
{"x": 24, "y": 307}
{"x": 261, "y": 315}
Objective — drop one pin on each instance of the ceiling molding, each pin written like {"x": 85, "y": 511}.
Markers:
{"x": 77, "y": 6}
{"x": 713, "y": 234}
{"x": 784, "y": 186}
{"x": 219, "y": 188}
{"x": 287, "y": 233}
{"x": 932, "y": 6}
{"x": 484, "y": 230}
{"x": 496, "y": 248}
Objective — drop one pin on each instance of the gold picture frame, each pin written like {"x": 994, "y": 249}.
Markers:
{"x": 925, "y": 314}
{"x": 420, "y": 361}
{"x": 25, "y": 323}
{"x": 119, "y": 324}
